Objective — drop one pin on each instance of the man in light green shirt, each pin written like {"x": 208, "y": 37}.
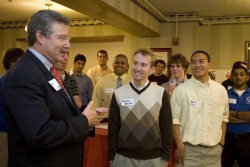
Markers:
{"x": 200, "y": 113}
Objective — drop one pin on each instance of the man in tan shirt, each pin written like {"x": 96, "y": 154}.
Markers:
{"x": 200, "y": 113}
{"x": 101, "y": 69}
{"x": 105, "y": 87}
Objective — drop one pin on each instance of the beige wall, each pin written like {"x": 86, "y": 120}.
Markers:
{"x": 225, "y": 43}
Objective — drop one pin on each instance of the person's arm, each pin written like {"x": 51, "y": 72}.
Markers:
{"x": 95, "y": 117}
{"x": 244, "y": 115}
{"x": 165, "y": 123}
{"x": 78, "y": 101}
{"x": 180, "y": 148}
{"x": 97, "y": 95}
{"x": 223, "y": 128}
{"x": 91, "y": 75}
{"x": 226, "y": 115}
{"x": 72, "y": 86}
{"x": 113, "y": 128}
{"x": 238, "y": 117}
{"x": 177, "y": 107}
{"x": 90, "y": 89}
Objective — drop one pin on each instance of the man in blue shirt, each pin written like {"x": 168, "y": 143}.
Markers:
{"x": 237, "y": 141}
{"x": 85, "y": 86}
{"x": 228, "y": 83}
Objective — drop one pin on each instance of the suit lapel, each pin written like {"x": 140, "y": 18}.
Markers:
{"x": 49, "y": 77}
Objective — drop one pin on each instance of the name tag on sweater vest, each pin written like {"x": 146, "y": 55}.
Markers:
{"x": 127, "y": 102}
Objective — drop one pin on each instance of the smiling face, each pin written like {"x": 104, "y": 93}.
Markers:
{"x": 141, "y": 68}
{"x": 120, "y": 65}
{"x": 57, "y": 43}
{"x": 159, "y": 68}
{"x": 200, "y": 66}
{"x": 177, "y": 70}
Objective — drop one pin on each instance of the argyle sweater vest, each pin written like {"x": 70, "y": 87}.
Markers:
{"x": 139, "y": 135}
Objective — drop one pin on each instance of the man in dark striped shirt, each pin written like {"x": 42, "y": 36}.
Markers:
{"x": 69, "y": 81}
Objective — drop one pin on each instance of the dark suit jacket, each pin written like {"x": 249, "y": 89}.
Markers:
{"x": 45, "y": 128}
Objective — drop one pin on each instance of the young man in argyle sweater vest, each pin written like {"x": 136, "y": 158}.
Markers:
{"x": 140, "y": 119}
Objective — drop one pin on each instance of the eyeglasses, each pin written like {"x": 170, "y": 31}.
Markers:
{"x": 64, "y": 37}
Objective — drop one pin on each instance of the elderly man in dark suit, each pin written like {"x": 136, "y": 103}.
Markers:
{"x": 45, "y": 127}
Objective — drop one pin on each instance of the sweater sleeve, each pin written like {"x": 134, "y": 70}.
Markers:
{"x": 113, "y": 127}
{"x": 166, "y": 127}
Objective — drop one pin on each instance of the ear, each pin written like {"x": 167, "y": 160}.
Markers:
{"x": 152, "y": 70}
{"x": 39, "y": 37}
{"x": 209, "y": 65}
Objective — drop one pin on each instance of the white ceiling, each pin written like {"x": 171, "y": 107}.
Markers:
{"x": 16, "y": 10}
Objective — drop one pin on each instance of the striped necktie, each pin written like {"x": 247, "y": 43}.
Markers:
{"x": 118, "y": 82}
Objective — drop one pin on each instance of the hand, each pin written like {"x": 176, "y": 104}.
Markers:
{"x": 101, "y": 111}
{"x": 179, "y": 154}
{"x": 170, "y": 89}
{"x": 92, "y": 116}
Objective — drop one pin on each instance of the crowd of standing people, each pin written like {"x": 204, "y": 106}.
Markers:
{"x": 180, "y": 120}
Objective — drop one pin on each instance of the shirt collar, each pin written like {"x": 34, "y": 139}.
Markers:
{"x": 233, "y": 90}
{"x": 140, "y": 88}
{"x": 199, "y": 83}
{"x": 42, "y": 58}
{"x": 72, "y": 73}
{"x": 116, "y": 76}
{"x": 100, "y": 68}
{"x": 184, "y": 80}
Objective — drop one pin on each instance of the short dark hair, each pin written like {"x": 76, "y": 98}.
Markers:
{"x": 43, "y": 20}
{"x": 121, "y": 55}
{"x": 10, "y": 56}
{"x": 80, "y": 57}
{"x": 146, "y": 52}
{"x": 239, "y": 65}
{"x": 202, "y": 52}
{"x": 102, "y": 51}
{"x": 179, "y": 59}
{"x": 160, "y": 62}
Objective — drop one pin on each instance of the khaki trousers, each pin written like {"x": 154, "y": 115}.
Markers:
{"x": 202, "y": 156}
{"x": 121, "y": 161}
